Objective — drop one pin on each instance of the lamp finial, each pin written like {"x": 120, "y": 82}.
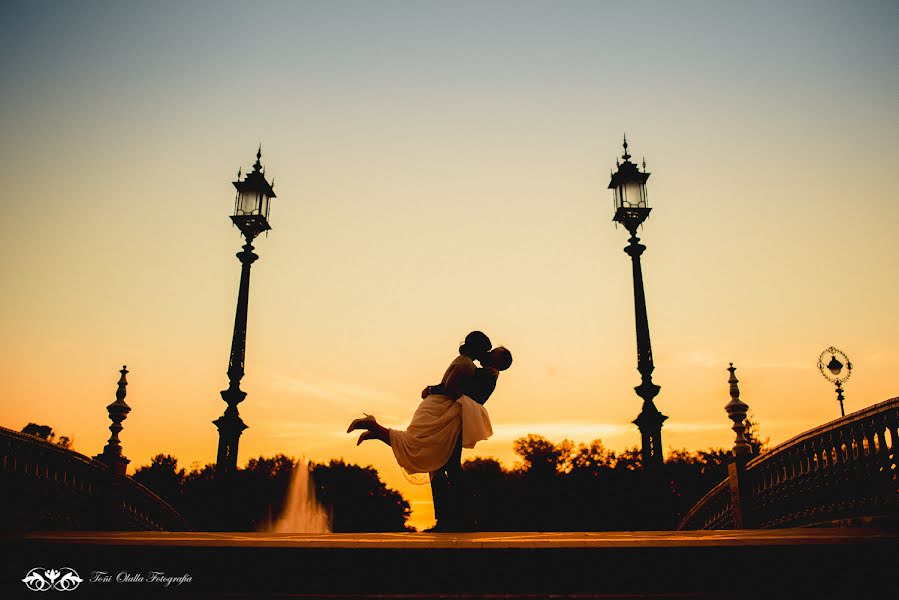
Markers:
{"x": 258, "y": 164}
{"x": 625, "y": 156}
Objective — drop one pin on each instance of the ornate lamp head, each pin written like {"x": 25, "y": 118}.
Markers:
{"x": 833, "y": 370}
{"x": 253, "y": 200}
{"x": 629, "y": 192}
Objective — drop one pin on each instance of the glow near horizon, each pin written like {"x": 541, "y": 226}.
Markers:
{"x": 440, "y": 168}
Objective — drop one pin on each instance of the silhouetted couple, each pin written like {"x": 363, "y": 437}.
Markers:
{"x": 451, "y": 416}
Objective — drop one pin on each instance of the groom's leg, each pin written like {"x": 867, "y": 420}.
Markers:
{"x": 452, "y": 510}
{"x": 444, "y": 482}
{"x": 438, "y": 493}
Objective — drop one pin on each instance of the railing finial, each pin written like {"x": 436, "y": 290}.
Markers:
{"x": 736, "y": 411}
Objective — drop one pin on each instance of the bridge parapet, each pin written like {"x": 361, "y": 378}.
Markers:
{"x": 47, "y": 486}
{"x": 845, "y": 469}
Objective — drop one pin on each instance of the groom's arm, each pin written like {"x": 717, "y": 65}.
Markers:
{"x": 479, "y": 388}
{"x": 432, "y": 389}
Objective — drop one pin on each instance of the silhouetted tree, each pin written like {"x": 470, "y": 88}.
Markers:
{"x": 566, "y": 486}
{"x": 593, "y": 458}
{"x": 691, "y": 474}
{"x": 46, "y": 433}
{"x": 757, "y": 444}
{"x": 631, "y": 459}
{"x": 163, "y": 477}
{"x": 542, "y": 458}
{"x": 246, "y": 500}
{"x": 254, "y": 496}
{"x": 487, "y": 501}
{"x": 265, "y": 482}
{"x": 199, "y": 502}
{"x": 357, "y": 498}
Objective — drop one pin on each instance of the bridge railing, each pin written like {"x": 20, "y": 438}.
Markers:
{"x": 46, "y": 486}
{"x": 844, "y": 469}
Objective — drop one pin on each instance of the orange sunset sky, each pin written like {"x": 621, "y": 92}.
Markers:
{"x": 442, "y": 167}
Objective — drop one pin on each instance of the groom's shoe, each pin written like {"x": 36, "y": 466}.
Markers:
{"x": 363, "y": 423}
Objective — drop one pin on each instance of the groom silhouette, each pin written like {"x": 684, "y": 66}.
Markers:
{"x": 447, "y": 482}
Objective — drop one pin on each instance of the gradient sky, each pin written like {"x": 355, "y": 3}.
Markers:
{"x": 442, "y": 167}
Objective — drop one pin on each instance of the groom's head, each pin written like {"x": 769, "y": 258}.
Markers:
{"x": 476, "y": 345}
{"x": 499, "y": 358}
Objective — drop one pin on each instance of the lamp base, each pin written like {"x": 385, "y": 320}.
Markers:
{"x": 630, "y": 217}
{"x": 251, "y": 225}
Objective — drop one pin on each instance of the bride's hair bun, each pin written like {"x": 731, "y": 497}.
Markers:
{"x": 476, "y": 344}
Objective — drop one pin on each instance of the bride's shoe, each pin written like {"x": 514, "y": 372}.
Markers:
{"x": 365, "y": 435}
{"x": 362, "y": 423}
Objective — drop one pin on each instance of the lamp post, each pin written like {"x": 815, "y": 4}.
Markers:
{"x": 251, "y": 210}
{"x": 833, "y": 371}
{"x": 631, "y": 209}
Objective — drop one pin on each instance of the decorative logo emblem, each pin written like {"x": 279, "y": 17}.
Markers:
{"x": 40, "y": 579}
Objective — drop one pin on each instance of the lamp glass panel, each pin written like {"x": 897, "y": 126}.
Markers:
{"x": 632, "y": 195}
{"x": 247, "y": 203}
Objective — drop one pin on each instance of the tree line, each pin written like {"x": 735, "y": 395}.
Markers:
{"x": 560, "y": 486}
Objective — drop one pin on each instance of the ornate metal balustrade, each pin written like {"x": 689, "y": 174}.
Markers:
{"x": 45, "y": 486}
{"x": 845, "y": 469}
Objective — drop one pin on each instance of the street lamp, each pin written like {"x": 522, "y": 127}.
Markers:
{"x": 833, "y": 371}
{"x": 631, "y": 209}
{"x": 251, "y": 211}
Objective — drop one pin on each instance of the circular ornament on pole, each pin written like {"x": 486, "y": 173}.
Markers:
{"x": 834, "y": 365}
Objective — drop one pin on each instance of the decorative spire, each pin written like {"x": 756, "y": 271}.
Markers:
{"x": 644, "y": 164}
{"x": 121, "y": 392}
{"x": 118, "y": 412}
{"x": 625, "y": 156}
{"x": 258, "y": 165}
{"x": 238, "y": 173}
{"x": 736, "y": 410}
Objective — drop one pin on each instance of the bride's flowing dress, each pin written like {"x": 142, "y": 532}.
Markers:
{"x": 427, "y": 443}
